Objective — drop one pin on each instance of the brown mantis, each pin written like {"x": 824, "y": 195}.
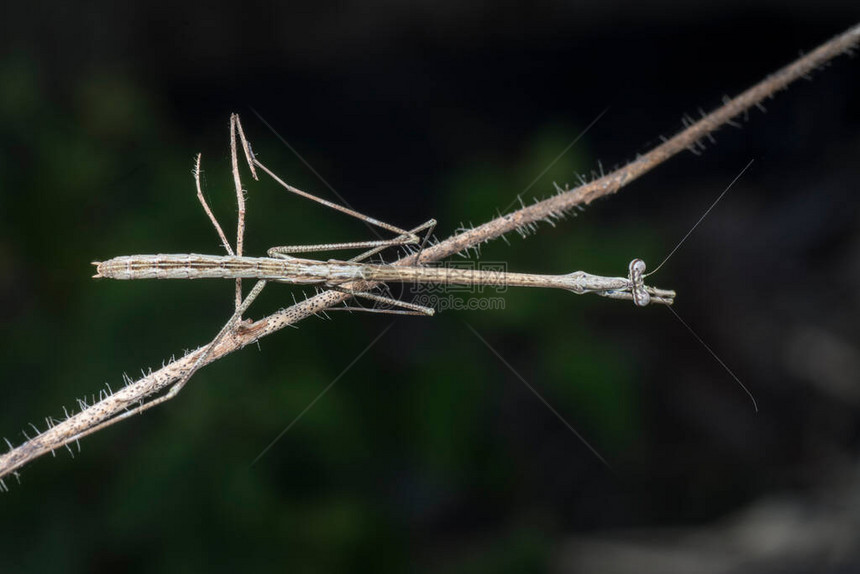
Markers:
{"x": 354, "y": 276}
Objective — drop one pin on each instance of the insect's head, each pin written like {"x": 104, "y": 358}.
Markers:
{"x": 637, "y": 283}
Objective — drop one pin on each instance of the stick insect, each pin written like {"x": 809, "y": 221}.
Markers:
{"x": 354, "y": 276}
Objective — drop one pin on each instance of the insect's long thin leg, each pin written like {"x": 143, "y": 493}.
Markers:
{"x": 174, "y": 390}
{"x": 208, "y": 211}
{"x": 246, "y": 147}
{"x": 416, "y": 309}
{"x": 284, "y": 252}
{"x": 386, "y": 294}
{"x": 429, "y": 224}
{"x": 254, "y": 162}
{"x": 240, "y": 199}
{"x": 430, "y": 227}
{"x": 380, "y": 311}
{"x": 409, "y": 238}
{"x": 366, "y": 218}
{"x": 228, "y": 327}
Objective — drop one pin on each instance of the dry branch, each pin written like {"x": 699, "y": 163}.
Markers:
{"x": 111, "y": 408}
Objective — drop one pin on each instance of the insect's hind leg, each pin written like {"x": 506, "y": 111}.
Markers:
{"x": 407, "y": 308}
{"x": 412, "y": 309}
{"x": 228, "y": 327}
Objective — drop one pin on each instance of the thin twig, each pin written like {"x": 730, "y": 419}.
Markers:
{"x": 134, "y": 393}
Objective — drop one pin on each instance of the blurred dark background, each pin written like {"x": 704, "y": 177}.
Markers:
{"x": 429, "y": 454}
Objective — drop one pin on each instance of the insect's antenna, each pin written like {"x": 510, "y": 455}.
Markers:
{"x": 675, "y": 313}
{"x": 704, "y": 215}
{"x": 714, "y": 355}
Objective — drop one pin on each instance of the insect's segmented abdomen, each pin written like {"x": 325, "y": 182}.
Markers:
{"x": 191, "y": 266}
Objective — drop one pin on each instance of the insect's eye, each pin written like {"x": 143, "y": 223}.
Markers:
{"x": 641, "y": 297}
{"x": 637, "y": 266}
